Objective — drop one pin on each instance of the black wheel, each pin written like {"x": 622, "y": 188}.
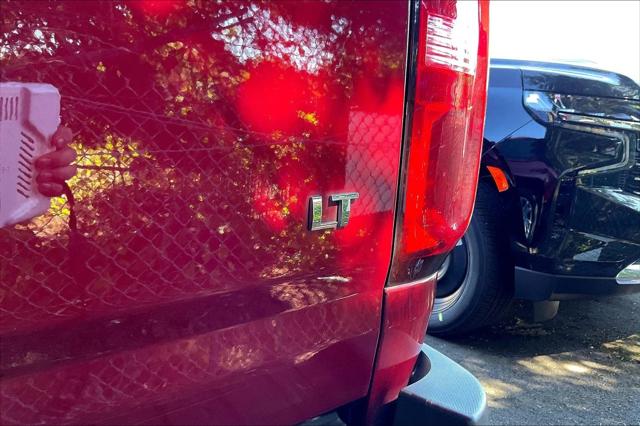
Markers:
{"x": 475, "y": 282}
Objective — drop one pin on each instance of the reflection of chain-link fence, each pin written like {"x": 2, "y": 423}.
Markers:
{"x": 148, "y": 230}
{"x": 370, "y": 142}
{"x": 170, "y": 219}
{"x": 151, "y": 232}
{"x": 97, "y": 389}
{"x": 179, "y": 200}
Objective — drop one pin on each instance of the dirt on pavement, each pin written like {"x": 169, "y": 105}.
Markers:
{"x": 583, "y": 367}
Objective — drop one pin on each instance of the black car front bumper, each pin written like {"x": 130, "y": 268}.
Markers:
{"x": 539, "y": 286}
{"x": 585, "y": 249}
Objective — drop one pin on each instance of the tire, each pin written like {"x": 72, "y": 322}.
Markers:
{"x": 483, "y": 279}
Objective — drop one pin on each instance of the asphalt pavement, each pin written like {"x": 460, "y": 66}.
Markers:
{"x": 583, "y": 367}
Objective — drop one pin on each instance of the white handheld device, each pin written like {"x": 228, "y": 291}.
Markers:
{"x": 29, "y": 116}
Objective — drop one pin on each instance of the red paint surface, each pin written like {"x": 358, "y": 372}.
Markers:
{"x": 192, "y": 291}
{"x": 406, "y": 313}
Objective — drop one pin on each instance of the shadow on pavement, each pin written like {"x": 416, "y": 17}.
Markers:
{"x": 582, "y": 367}
{"x": 580, "y": 324}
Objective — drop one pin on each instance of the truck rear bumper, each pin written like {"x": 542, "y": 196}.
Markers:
{"x": 447, "y": 395}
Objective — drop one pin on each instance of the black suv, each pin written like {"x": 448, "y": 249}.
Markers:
{"x": 557, "y": 212}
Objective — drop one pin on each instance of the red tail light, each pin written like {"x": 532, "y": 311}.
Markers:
{"x": 442, "y": 152}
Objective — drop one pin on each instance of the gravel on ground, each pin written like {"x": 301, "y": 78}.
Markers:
{"x": 583, "y": 367}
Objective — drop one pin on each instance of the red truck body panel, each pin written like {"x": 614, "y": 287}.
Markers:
{"x": 191, "y": 290}
{"x": 405, "y": 318}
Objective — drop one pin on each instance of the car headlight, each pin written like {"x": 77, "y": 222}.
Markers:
{"x": 589, "y": 134}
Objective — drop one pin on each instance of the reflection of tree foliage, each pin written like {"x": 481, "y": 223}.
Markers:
{"x": 602, "y": 83}
{"x": 202, "y": 127}
{"x": 183, "y": 188}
